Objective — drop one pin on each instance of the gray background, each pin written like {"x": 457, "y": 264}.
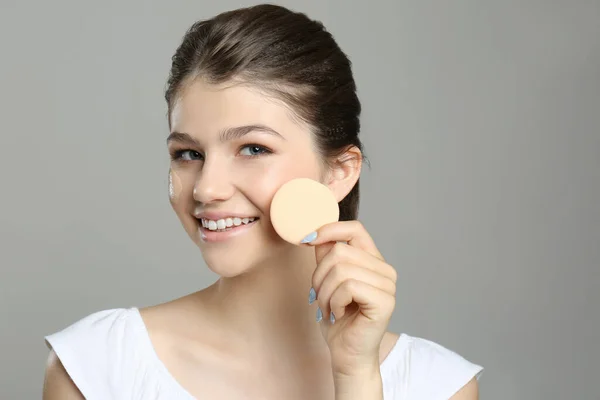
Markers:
{"x": 482, "y": 123}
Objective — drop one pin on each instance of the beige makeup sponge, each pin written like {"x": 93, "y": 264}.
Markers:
{"x": 302, "y": 206}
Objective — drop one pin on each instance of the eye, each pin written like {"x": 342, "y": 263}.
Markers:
{"x": 186, "y": 155}
{"x": 253, "y": 150}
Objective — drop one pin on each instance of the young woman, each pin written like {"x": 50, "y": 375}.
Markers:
{"x": 257, "y": 97}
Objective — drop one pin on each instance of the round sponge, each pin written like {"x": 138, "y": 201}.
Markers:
{"x": 302, "y": 206}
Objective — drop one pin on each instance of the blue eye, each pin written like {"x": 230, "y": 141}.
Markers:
{"x": 253, "y": 150}
{"x": 187, "y": 155}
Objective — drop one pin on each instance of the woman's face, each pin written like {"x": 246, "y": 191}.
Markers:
{"x": 231, "y": 149}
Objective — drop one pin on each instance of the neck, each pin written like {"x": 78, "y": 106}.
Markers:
{"x": 267, "y": 307}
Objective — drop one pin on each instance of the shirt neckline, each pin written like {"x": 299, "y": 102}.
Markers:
{"x": 384, "y": 366}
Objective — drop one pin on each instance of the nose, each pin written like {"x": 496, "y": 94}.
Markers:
{"x": 213, "y": 183}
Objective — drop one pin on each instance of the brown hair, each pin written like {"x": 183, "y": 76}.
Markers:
{"x": 286, "y": 54}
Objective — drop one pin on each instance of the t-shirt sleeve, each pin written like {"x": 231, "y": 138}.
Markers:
{"x": 437, "y": 373}
{"x": 86, "y": 349}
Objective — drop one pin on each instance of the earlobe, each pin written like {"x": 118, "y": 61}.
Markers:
{"x": 345, "y": 171}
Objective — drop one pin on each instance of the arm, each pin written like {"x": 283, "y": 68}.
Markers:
{"x": 365, "y": 387}
{"x": 468, "y": 392}
{"x": 57, "y": 383}
{"x": 365, "y": 391}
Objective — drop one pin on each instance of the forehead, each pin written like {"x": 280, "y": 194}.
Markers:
{"x": 202, "y": 108}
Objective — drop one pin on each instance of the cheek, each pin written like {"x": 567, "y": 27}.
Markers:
{"x": 175, "y": 186}
{"x": 180, "y": 195}
{"x": 261, "y": 181}
{"x": 181, "y": 186}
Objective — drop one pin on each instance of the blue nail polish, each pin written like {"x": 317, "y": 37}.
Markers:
{"x": 332, "y": 318}
{"x": 312, "y": 296}
{"x": 311, "y": 236}
{"x": 319, "y": 315}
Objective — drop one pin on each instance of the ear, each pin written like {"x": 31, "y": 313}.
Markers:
{"x": 344, "y": 172}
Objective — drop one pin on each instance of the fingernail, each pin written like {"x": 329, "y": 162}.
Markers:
{"x": 312, "y": 296}
{"x": 319, "y": 315}
{"x": 311, "y": 236}
{"x": 332, "y": 318}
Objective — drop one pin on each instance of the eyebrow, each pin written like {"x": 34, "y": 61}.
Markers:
{"x": 225, "y": 135}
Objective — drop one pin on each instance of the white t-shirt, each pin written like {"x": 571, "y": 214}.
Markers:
{"x": 109, "y": 355}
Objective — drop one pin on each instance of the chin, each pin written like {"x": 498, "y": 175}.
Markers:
{"x": 235, "y": 252}
{"x": 226, "y": 269}
{"x": 229, "y": 263}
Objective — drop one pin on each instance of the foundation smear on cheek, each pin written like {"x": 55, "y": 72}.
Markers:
{"x": 174, "y": 185}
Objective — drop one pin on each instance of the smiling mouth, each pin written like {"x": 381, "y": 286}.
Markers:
{"x": 225, "y": 224}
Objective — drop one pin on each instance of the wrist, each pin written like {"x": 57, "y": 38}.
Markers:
{"x": 366, "y": 385}
{"x": 358, "y": 370}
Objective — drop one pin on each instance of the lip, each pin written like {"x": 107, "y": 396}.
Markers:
{"x": 217, "y": 215}
{"x": 216, "y": 236}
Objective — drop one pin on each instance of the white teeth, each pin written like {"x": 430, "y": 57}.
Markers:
{"x": 225, "y": 223}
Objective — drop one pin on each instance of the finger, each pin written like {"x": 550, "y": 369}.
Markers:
{"x": 351, "y": 232}
{"x": 322, "y": 250}
{"x": 342, "y": 272}
{"x": 374, "y": 303}
{"x": 341, "y": 253}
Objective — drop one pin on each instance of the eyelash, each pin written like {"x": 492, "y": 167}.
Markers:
{"x": 176, "y": 155}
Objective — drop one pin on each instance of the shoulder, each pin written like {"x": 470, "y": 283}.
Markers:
{"x": 89, "y": 354}
{"x": 57, "y": 383}
{"x": 99, "y": 328}
{"x": 450, "y": 372}
{"x": 423, "y": 369}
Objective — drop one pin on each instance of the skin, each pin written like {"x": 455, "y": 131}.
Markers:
{"x": 234, "y": 339}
